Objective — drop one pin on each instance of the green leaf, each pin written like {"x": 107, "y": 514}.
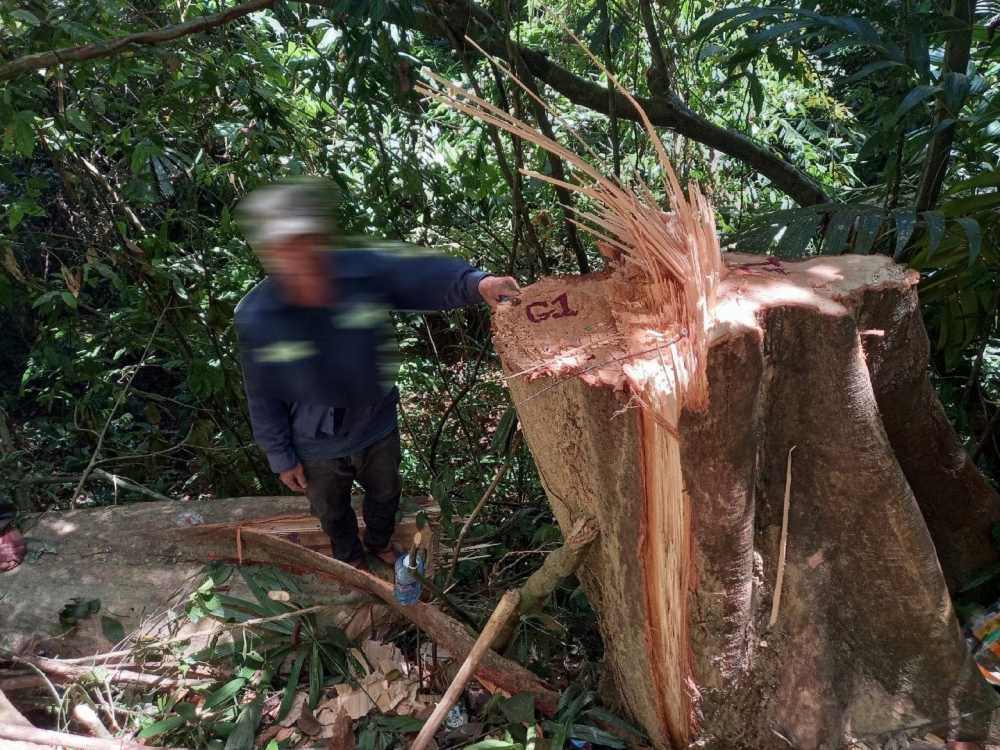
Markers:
{"x": 906, "y": 222}
{"x": 81, "y": 122}
{"x": 935, "y": 230}
{"x": 152, "y": 414}
{"x": 916, "y": 95}
{"x": 974, "y": 236}
{"x": 187, "y": 710}
{"x": 838, "y": 230}
{"x": 596, "y": 736}
{"x": 495, "y": 745}
{"x": 288, "y": 696}
{"x": 159, "y": 727}
{"x": 866, "y": 233}
{"x": 112, "y": 629}
{"x": 606, "y": 717}
{"x": 797, "y": 236}
{"x": 519, "y": 708}
{"x": 29, "y": 18}
{"x": 315, "y": 676}
{"x": 242, "y": 736}
{"x": 506, "y": 428}
{"x": 69, "y": 299}
{"x": 225, "y": 693}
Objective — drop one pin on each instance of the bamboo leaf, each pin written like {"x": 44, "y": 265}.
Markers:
{"x": 795, "y": 241}
{"x": 225, "y": 693}
{"x": 974, "y": 235}
{"x": 315, "y": 676}
{"x": 866, "y": 233}
{"x": 935, "y": 230}
{"x": 288, "y": 696}
{"x": 838, "y": 231}
{"x": 916, "y": 95}
{"x": 159, "y": 727}
{"x": 906, "y": 222}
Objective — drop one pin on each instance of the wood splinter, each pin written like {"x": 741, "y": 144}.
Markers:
{"x": 784, "y": 539}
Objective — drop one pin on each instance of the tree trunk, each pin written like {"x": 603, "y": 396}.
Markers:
{"x": 688, "y": 485}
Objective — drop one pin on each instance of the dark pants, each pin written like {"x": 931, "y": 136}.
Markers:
{"x": 328, "y": 487}
{"x": 7, "y": 511}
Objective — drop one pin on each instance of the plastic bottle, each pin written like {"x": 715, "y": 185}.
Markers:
{"x": 406, "y": 587}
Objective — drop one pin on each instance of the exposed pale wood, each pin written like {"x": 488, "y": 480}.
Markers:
{"x": 683, "y": 577}
{"x": 503, "y": 612}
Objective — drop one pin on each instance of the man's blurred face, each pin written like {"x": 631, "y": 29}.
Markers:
{"x": 300, "y": 266}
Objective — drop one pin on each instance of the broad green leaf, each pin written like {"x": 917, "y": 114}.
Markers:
{"x": 916, "y": 95}
{"x": 81, "y": 122}
{"x": 225, "y": 693}
{"x": 288, "y": 695}
{"x": 596, "y": 736}
{"x": 935, "y": 230}
{"x": 838, "y": 231}
{"x": 606, "y": 717}
{"x": 866, "y": 233}
{"x": 23, "y": 15}
{"x": 974, "y": 236}
{"x": 69, "y": 299}
{"x": 112, "y": 629}
{"x": 906, "y": 222}
{"x": 159, "y": 727}
{"x": 315, "y": 676}
{"x": 794, "y": 243}
{"x": 519, "y": 708}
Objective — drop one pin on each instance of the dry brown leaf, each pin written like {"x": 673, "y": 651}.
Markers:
{"x": 342, "y": 736}
{"x": 298, "y": 702}
{"x": 307, "y": 722}
{"x": 11, "y": 265}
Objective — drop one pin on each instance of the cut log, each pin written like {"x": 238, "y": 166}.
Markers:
{"x": 681, "y": 457}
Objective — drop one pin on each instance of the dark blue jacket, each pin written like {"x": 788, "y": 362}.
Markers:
{"x": 321, "y": 381}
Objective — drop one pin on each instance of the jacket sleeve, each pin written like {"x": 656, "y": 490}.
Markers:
{"x": 272, "y": 429}
{"x": 269, "y": 417}
{"x": 418, "y": 281}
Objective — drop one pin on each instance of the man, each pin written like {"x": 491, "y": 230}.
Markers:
{"x": 12, "y": 546}
{"x": 318, "y": 350}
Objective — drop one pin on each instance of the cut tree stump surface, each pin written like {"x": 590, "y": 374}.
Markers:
{"x": 139, "y": 562}
{"x": 829, "y": 356}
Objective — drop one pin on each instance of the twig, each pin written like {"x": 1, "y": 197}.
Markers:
{"x": 482, "y": 503}
{"x": 112, "y": 47}
{"x": 115, "y": 479}
{"x": 118, "y": 401}
{"x": 784, "y": 539}
{"x": 206, "y": 634}
{"x": 87, "y": 716}
{"x": 58, "y": 669}
{"x": 505, "y": 609}
{"x": 63, "y": 739}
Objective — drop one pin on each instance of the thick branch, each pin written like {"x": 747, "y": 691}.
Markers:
{"x": 667, "y": 112}
{"x": 445, "y": 631}
{"x": 116, "y": 46}
{"x": 62, "y": 739}
{"x": 558, "y": 566}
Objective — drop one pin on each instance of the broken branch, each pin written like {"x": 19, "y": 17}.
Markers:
{"x": 501, "y": 615}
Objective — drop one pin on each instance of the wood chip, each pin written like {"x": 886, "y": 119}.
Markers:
{"x": 308, "y": 723}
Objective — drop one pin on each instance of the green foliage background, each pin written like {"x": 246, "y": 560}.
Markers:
{"x": 121, "y": 265}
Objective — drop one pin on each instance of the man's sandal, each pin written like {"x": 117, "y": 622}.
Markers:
{"x": 12, "y": 548}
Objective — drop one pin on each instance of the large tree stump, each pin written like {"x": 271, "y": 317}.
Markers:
{"x": 684, "y": 467}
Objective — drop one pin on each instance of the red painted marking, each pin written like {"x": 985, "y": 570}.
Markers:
{"x": 537, "y": 312}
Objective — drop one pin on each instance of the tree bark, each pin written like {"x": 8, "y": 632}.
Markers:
{"x": 827, "y": 356}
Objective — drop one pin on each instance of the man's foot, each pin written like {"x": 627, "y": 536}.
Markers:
{"x": 360, "y": 564}
{"x": 12, "y": 548}
{"x": 389, "y": 553}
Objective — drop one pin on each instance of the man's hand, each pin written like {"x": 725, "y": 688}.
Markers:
{"x": 497, "y": 289}
{"x": 294, "y": 478}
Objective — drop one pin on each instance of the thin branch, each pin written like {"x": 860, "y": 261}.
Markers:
{"x": 63, "y": 739}
{"x": 482, "y": 504}
{"x": 113, "y": 47}
{"x": 118, "y": 402}
{"x": 776, "y": 602}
